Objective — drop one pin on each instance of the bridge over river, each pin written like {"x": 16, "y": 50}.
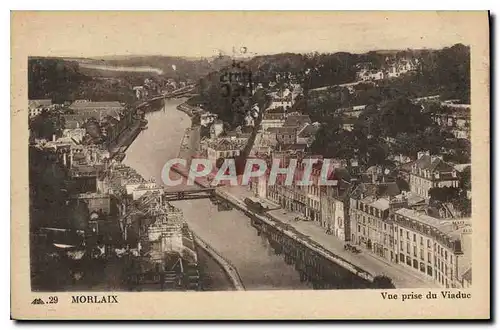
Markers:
{"x": 228, "y": 232}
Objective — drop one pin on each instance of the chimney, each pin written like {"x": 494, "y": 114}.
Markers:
{"x": 53, "y": 138}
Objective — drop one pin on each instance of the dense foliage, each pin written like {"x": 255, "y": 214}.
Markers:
{"x": 61, "y": 80}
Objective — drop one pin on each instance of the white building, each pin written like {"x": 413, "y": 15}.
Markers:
{"x": 216, "y": 129}
{"x": 35, "y": 107}
{"x": 272, "y": 120}
{"x": 224, "y": 148}
{"x": 207, "y": 118}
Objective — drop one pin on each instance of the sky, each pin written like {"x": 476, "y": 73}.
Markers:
{"x": 205, "y": 34}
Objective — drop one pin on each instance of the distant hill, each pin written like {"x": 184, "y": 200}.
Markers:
{"x": 170, "y": 66}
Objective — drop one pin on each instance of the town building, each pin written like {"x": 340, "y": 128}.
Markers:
{"x": 370, "y": 75}
{"x": 429, "y": 172}
{"x": 303, "y": 199}
{"x": 216, "y": 129}
{"x": 433, "y": 247}
{"x": 307, "y": 134}
{"x": 456, "y": 119}
{"x": 207, "y": 118}
{"x": 284, "y": 135}
{"x": 334, "y": 202}
{"x": 295, "y": 119}
{"x": 74, "y": 131}
{"x": 98, "y": 110}
{"x": 397, "y": 68}
{"x": 387, "y": 227}
{"x": 35, "y": 107}
{"x": 223, "y": 148}
{"x": 272, "y": 120}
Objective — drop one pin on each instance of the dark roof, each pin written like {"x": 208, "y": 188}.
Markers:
{"x": 437, "y": 164}
{"x": 309, "y": 131}
{"x": 297, "y": 120}
{"x": 377, "y": 189}
{"x": 285, "y": 130}
{"x": 406, "y": 167}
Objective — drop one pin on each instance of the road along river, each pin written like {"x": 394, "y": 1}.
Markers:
{"x": 228, "y": 232}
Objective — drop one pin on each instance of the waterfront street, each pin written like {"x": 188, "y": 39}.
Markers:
{"x": 375, "y": 265}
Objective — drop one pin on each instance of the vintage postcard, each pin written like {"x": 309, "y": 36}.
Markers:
{"x": 250, "y": 165}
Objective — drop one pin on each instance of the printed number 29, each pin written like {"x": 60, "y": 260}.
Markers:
{"x": 53, "y": 300}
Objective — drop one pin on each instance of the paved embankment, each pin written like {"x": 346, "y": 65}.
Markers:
{"x": 229, "y": 269}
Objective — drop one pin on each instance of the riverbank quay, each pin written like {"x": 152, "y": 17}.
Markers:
{"x": 311, "y": 235}
{"x": 125, "y": 139}
{"x": 228, "y": 268}
{"x": 188, "y": 109}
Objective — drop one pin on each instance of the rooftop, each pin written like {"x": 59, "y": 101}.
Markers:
{"x": 79, "y": 104}
{"x": 273, "y": 116}
{"x": 385, "y": 189}
{"x": 427, "y": 162}
{"x": 444, "y": 226}
{"x": 297, "y": 120}
{"x": 380, "y": 203}
{"x": 309, "y": 131}
{"x": 39, "y": 103}
{"x": 225, "y": 144}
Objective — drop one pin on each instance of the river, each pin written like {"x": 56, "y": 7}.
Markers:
{"x": 229, "y": 232}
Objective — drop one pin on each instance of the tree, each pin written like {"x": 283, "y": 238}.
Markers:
{"x": 444, "y": 194}
{"x": 382, "y": 282}
{"x": 46, "y": 124}
{"x": 465, "y": 179}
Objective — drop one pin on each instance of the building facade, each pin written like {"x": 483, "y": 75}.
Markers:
{"x": 430, "y": 247}
{"x": 430, "y": 172}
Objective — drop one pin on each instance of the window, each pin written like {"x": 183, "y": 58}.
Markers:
{"x": 446, "y": 255}
{"x": 422, "y": 254}
{"x": 401, "y": 232}
{"x": 401, "y": 245}
{"x": 429, "y": 270}
{"x": 414, "y": 237}
{"x": 414, "y": 251}
{"x": 429, "y": 257}
{"x": 408, "y": 248}
{"x": 407, "y": 234}
{"x": 385, "y": 226}
{"x": 429, "y": 243}
{"x": 421, "y": 240}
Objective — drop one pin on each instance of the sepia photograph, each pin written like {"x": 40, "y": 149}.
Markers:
{"x": 265, "y": 152}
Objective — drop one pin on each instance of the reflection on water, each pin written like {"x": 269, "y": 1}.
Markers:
{"x": 228, "y": 232}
